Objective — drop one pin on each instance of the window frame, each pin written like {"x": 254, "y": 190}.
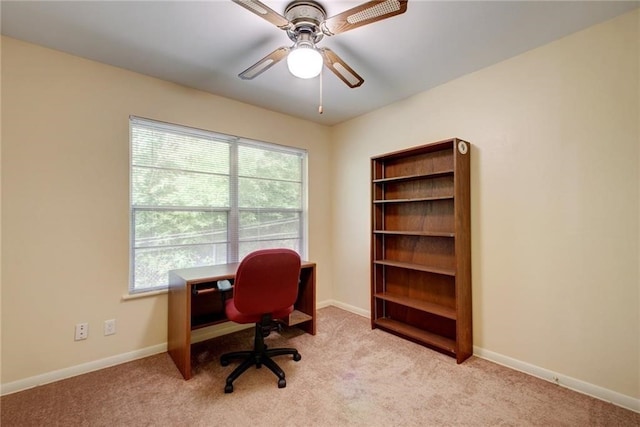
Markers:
{"x": 233, "y": 241}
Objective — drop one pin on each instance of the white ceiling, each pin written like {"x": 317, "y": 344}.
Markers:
{"x": 205, "y": 44}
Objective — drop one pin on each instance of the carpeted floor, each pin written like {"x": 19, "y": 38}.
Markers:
{"x": 349, "y": 375}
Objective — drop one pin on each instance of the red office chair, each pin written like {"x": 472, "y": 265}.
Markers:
{"x": 265, "y": 289}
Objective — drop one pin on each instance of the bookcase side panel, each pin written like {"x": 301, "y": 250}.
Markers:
{"x": 463, "y": 251}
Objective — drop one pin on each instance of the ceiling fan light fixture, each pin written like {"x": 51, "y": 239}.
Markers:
{"x": 306, "y": 23}
{"x": 304, "y": 61}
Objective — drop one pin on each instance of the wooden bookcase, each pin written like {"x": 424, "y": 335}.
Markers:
{"x": 421, "y": 246}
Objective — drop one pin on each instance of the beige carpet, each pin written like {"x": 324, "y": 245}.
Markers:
{"x": 349, "y": 375}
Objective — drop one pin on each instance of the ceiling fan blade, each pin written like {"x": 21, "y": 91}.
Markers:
{"x": 340, "y": 68}
{"x": 366, "y": 13}
{"x": 264, "y": 64}
{"x": 263, "y": 11}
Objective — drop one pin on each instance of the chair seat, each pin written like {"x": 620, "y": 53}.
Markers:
{"x": 235, "y": 316}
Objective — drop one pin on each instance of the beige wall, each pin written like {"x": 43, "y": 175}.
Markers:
{"x": 65, "y": 221}
{"x": 555, "y": 200}
{"x": 555, "y": 205}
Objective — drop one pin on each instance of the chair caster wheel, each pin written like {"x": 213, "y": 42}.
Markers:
{"x": 297, "y": 357}
{"x": 228, "y": 388}
{"x": 224, "y": 362}
{"x": 282, "y": 383}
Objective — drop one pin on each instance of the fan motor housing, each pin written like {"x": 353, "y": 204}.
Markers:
{"x": 305, "y": 17}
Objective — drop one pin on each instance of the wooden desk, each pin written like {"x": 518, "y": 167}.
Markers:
{"x": 195, "y": 302}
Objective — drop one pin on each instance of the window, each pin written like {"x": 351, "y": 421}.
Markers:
{"x": 202, "y": 198}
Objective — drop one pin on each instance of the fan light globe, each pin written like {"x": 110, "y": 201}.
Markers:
{"x": 304, "y": 62}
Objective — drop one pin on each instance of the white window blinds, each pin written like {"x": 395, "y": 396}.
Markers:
{"x": 203, "y": 198}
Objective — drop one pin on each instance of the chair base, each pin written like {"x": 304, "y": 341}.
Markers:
{"x": 260, "y": 355}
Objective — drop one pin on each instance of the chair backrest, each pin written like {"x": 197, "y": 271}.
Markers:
{"x": 267, "y": 281}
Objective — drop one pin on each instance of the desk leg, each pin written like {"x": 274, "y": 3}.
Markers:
{"x": 179, "y": 325}
{"x": 306, "y": 302}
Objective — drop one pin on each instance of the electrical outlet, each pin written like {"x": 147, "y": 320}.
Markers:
{"x": 82, "y": 331}
{"x": 110, "y": 327}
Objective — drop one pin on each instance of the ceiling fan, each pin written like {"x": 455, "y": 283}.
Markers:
{"x": 306, "y": 23}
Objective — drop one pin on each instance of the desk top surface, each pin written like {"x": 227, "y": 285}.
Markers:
{"x": 216, "y": 272}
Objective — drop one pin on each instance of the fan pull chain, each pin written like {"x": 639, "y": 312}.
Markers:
{"x": 320, "y": 110}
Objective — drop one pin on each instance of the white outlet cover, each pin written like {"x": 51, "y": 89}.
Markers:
{"x": 82, "y": 331}
{"x": 110, "y": 327}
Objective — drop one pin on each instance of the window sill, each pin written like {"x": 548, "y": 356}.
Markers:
{"x": 129, "y": 297}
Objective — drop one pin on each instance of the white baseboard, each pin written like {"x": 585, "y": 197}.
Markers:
{"x": 574, "y": 384}
{"x": 323, "y": 304}
{"x": 347, "y": 307}
{"x": 83, "y": 368}
{"x": 583, "y": 387}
